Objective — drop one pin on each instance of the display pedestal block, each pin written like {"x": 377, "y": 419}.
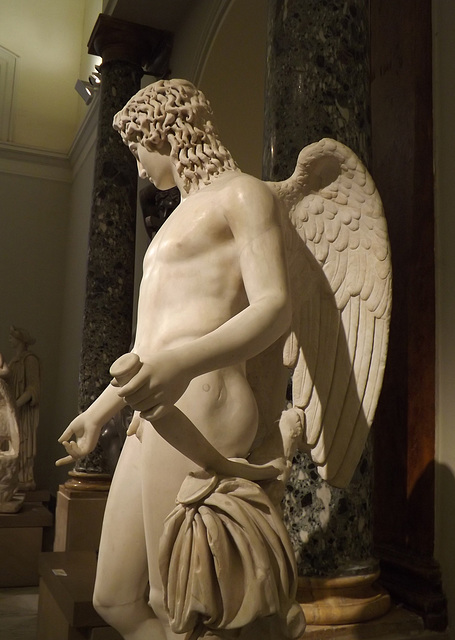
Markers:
{"x": 342, "y": 600}
{"x": 66, "y": 612}
{"x": 397, "y": 624}
{"x": 21, "y": 539}
{"x": 78, "y": 519}
{"x": 38, "y": 495}
{"x": 65, "y": 609}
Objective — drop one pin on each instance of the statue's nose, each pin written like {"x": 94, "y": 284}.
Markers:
{"x": 141, "y": 171}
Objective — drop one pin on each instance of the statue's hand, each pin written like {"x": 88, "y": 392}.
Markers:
{"x": 86, "y": 433}
{"x": 156, "y": 386}
{"x": 22, "y": 400}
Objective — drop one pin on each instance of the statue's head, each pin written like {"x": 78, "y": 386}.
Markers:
{"x": 21, "y": 335}
{"x": 176, "y": 112}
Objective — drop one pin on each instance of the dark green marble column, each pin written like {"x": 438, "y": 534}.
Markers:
{"x": 126, "y": 49}
{"x": 318, "y": 79}
{"x": 318, "y": 85}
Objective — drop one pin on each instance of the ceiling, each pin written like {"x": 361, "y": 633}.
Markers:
{"x": 43, "y": 52}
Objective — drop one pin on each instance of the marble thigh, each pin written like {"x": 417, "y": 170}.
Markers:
{"x": 122, "y": 573}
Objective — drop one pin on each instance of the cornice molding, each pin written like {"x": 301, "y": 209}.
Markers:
{"x": 21, "y": 160}
{"x": 31, "y": 162}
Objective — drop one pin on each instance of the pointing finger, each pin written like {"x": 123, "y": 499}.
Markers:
{"x": 63, "y": 461}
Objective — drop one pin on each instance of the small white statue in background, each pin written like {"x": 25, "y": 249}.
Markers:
{"x": 24, "y": 380}
{"x": 9, "y": 445}
{"x": 241, "y": 273}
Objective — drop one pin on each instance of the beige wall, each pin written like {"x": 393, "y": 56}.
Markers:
{"x": 232, "y": 76}
{"x": 74, "y": 268}
{"x": 444, "y": 111}
{"x": 34, "y": 214}
{"x": 45, "y": 207}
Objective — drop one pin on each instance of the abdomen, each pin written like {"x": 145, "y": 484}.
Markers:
{"x": 222, "y": 406}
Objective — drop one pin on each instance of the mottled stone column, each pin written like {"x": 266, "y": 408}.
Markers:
{"x": 127, "y": 50}
{"x": 318, "y": 86}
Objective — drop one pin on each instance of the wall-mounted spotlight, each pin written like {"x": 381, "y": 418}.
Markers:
{"x": 87, "y": 89}
{"x": 95, "y": 77}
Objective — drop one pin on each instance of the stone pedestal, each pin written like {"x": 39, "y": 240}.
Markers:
{"x": 79, "y": 518}
{"x": 21, "y": 539}
{"x": 397, "y": 624}
{"x": 65, "y": 609}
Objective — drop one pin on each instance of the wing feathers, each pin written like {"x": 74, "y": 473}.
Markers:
{"x": 341, "y": 295}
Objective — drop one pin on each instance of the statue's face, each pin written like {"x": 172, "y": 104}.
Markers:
{"x": 156, "y": 165}
{"x": 14, "y": 342}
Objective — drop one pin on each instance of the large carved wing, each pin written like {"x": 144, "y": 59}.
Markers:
{"x": 340, "y": 273}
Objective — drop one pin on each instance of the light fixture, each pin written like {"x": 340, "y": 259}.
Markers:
{"x": 95, "y": 77}
{"x": 87, "y": 89}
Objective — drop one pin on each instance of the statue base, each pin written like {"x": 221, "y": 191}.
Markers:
{"x": 342, "y": 600}
{"x": 21, "y": 542}
{"x": 13, "y": 505}
{"x": 88, "y": 481}
{"x": 79, "y": 518}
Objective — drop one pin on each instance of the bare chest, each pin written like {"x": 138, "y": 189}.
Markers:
{"x": 195, "y": 230}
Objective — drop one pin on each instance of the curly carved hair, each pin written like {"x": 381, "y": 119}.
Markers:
{"x": 174, "y": 110}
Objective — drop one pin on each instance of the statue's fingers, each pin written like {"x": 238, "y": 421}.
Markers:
{"x": 66, "y": 460}
{"x": 135, "y": 397}
{"x": 132, "y": 385}
{"x": 66, "y": 435}
{"x": 73, "y": 449}
{"x": 144, "y": 399}
{"x": 156, "y": 412}
{"x": 134, "y": 425}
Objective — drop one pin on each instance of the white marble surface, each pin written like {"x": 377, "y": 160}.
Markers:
{"x": 241, "y": 269}
{"x": 18, "y": 613}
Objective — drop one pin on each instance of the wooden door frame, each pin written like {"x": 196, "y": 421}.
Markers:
{"x": 404, "y": 431}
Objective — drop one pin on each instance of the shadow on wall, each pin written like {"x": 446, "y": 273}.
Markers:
{"x": 445, "y": 525}
{"x": 409, "y": 570}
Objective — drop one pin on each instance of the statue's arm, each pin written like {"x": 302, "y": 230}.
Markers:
{"x": 32, "y": 382}
{"x": 4, "y": 369}
{"x": 86, "y": 427}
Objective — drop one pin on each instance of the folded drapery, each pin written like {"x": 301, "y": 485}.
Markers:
{"x": 226, "y": 559}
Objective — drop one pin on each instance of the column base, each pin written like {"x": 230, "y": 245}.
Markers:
{"x": 88, "y": 481}
{"x": 342, "y": 600}
{"x": 397, "y": 624}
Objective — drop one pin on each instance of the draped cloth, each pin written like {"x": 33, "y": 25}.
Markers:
{"x": 226, "y": 560}
{"x": 25, "y": 376}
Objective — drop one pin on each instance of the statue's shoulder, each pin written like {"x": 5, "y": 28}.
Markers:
{"x": 245, "y": 184}
{"x": 243, "y": 194}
